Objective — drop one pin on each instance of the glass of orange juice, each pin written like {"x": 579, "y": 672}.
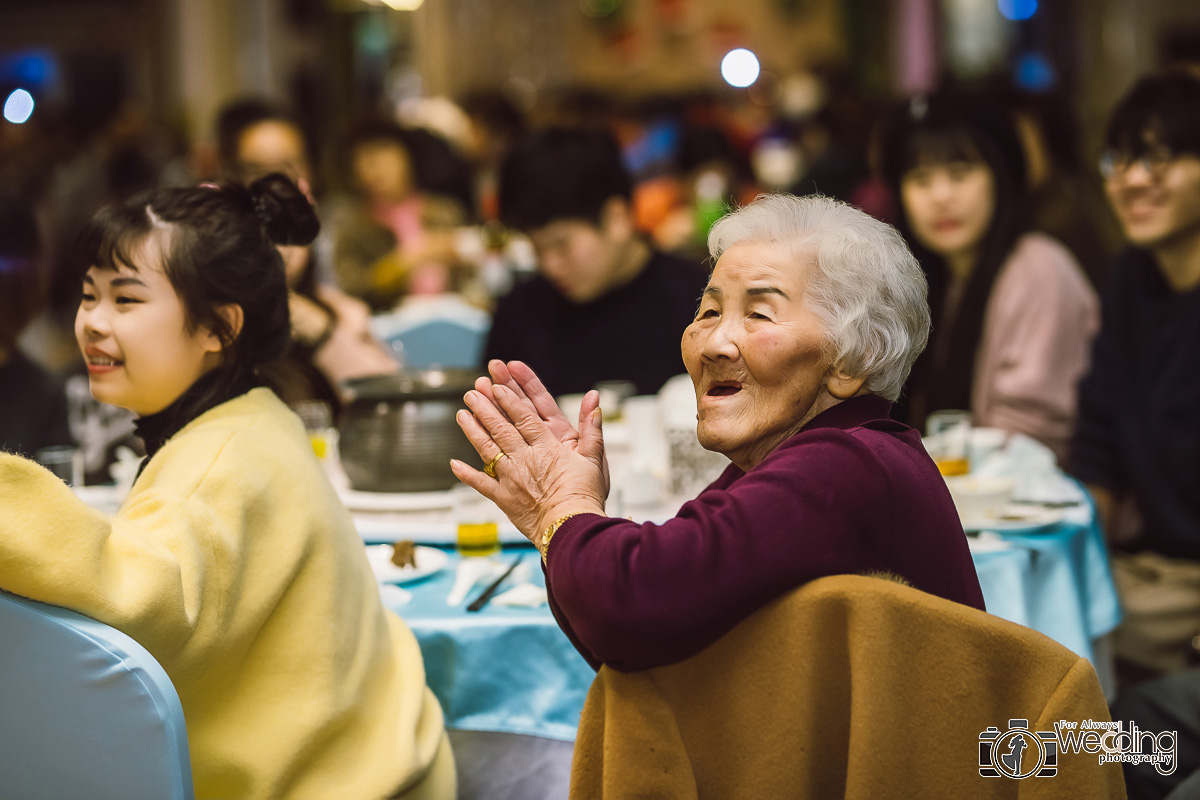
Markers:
{"x": 948, "y": 436}
{"x": 317, "y": 417}
{"x": 477, "y": 523}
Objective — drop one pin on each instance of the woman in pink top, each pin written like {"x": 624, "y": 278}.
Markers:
{"x": 1013, "y": 314}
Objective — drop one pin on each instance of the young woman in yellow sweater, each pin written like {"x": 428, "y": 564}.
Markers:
{"x": 232, "y": 560}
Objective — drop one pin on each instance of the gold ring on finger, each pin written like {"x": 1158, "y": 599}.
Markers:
{"x": 489, "y": 468}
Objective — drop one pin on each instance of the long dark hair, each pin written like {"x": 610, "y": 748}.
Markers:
{"x": 943, "y": 128}
{"x": 218, "y": 243}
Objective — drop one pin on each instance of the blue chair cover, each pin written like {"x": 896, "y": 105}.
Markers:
{"x": 85, "y": 711}
{"x": 442, "y": 332}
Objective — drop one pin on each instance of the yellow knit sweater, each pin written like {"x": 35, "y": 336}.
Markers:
{"x": 234, "y": 563}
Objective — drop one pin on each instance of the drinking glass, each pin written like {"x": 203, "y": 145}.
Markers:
{"x": 949, "y": 440}
{"x": 317, "y": 417}
{"x": 477, "y": 523}
{"x": 65, "y": 461}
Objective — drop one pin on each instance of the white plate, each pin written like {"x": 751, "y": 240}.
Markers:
{"x": 1018, "y": 518}
{"x": 100, "y": 497}
{"x": 395, "y": 501}
{"x": 429, "y": 561}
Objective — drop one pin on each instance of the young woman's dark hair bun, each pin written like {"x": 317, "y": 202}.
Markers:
{"x": 286, "y": 213}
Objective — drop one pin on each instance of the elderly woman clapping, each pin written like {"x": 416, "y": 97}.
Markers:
{"x": 810, "y": 323}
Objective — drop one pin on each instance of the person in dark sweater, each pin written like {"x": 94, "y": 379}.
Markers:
{"x": 605, "y": 305}
{"x": 33, "y": 407}
{"x": 1137, "y": 442}
{"x": 811, "y": 321}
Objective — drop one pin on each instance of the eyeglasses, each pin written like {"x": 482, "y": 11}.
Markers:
{"x": 1155, "y": 161}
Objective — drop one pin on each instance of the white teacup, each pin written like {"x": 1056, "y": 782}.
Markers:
{"x": 979, "y": 498}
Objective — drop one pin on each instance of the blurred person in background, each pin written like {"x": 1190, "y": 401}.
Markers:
{"x": 1067, "y": 194}
{"x": 1137, "y": 446}
{"x": 231, "y": 561}
{"x": 395, "y": 238}
{"x": 605, "y": 304}
{"x": 834, "y": 142}
{"x": 496, "y": 124}
{"x": 1013, "y": 313}
{"x": 255, "y": 138}
{"x": 33, "y": 407}
{"x": 331, "y": 337}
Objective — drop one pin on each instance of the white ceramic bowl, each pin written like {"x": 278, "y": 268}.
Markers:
{"x": 978, "y": 498}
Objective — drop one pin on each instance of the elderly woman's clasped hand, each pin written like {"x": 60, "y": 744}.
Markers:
{"x": 544, "y": 468}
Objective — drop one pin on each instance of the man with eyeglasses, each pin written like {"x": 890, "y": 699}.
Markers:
{"x": 1137, "y": 441}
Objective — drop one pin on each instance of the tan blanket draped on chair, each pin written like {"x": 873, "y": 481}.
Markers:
{"x": 849, "y": 687}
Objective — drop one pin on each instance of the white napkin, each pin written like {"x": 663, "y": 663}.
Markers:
{"x": 124, "y": 470}
{"x": 525, "y": 595}
{"x": 392, "y": 595}
{"x": 988, "y": 542}
{"x": 1032, "y": 467}
{"x": 469, "y": 572}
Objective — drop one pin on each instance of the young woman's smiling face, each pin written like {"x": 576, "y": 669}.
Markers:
{"x": 132, "y": 331}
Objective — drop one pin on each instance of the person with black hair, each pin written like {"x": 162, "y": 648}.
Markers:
{"x": 496, "y": 124}
{"x": 395, "y": 238}
{"x": 605, "y": 306}
{"x": 232, "y": 560}
{"x": 256, "y": 138}
{"x": 1137, "y": 446}
{"x": 331, "y": 337}
{"x": 33, "y": 407}
{"x": 1013, "y": 313}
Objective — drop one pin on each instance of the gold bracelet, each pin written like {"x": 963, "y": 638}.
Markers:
{"x": 551, "y": 530}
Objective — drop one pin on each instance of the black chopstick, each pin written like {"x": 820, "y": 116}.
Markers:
{"x": 482, "y": 600}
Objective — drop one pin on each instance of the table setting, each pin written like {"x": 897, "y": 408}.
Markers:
{"x": 1040, "y": 555}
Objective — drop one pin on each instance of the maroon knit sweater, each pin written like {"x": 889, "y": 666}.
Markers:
{"x": 853, "y": 491}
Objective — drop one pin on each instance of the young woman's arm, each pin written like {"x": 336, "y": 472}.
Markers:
{"x": 142, "y": 571}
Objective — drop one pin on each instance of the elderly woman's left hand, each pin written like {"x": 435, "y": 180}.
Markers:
{"x": 540, "y": 478}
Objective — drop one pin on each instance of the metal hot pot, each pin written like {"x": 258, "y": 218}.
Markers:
{"x": 398, "y": 434}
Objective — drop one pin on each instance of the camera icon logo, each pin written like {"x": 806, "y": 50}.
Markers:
{"x": 1018, "y": 753}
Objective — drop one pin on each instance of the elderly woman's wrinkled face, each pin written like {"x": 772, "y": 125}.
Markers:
{"x": 755, "y": 354}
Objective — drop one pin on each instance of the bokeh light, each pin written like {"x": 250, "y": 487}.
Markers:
{"x": 1017, "y": 9}
{"x": 740, "y": 68}
{"x": 18, "y": 107}
{"x": 1034, "y": 72}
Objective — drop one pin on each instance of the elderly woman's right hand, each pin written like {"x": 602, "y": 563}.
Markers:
{"x": 539, "y": 478}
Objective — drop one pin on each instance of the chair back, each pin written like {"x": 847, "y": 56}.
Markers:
{"x": 443, "y": 332}
{"x": 85, "y": 711}
{"x": 848, "y": 687}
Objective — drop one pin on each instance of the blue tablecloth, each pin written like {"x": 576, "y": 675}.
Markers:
{"x": 1055, "y": 581}
{"x": 513, "y": 670}
{"x": 499, "y": 669}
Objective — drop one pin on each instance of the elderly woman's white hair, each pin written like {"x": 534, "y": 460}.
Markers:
{"x": 864, "y": 284}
